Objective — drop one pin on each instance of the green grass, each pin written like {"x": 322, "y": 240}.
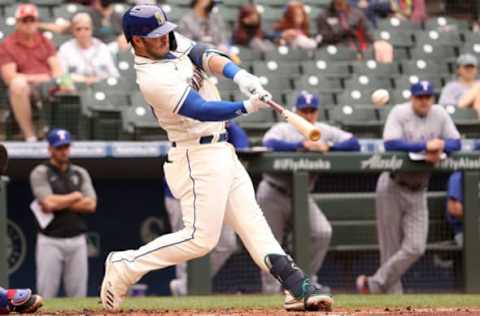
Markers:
{"x": 269, "y": 302}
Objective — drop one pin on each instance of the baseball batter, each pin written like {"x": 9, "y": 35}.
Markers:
{"x": 227, "y": 243}
{"x": 202, "y": 169}
{"x": 401, "y": 201}
{"x": 274, "y": 191}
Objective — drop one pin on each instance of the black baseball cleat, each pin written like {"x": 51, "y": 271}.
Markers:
{"x": 22, "y": 301}
{"x": 312, "y": 299}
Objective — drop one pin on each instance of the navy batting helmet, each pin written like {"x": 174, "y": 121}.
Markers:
{"x": 146, "y": 21}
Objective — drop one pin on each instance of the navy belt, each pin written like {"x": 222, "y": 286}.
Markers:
{"x": 208, "y": 139}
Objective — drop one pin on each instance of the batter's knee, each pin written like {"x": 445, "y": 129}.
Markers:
{"x": 203, "y": 246}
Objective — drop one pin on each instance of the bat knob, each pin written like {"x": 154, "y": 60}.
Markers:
{"x": 314, "y": 135}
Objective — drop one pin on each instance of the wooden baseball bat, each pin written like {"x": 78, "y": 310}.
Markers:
{"x": 301, "y": 124}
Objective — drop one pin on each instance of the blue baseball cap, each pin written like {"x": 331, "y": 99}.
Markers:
{"x": 147, "y": 21}
{"x": 59, "y": 137}
{"x": 307, "y": 100}
{"x": 422, "y": 88}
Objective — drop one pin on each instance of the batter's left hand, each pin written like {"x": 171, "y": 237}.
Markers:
{"x": 250, "y": 84}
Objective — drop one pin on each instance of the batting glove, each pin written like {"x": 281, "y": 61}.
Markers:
{"x": 249, "y": 84}
{"x": 254, "y": 103}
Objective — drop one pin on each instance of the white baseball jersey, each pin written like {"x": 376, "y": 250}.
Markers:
{"x": 166, "y": 83}
{"x": 403, "y": 123}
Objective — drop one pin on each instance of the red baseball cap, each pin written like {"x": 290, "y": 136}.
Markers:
{"x": 26, "y": 9}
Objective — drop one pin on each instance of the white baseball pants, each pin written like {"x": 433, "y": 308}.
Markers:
{"x": 213, "y": 187}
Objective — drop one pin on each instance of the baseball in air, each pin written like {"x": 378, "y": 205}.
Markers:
{"x": 380, "y": 97}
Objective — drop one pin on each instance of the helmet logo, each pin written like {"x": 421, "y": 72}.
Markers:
{"x": 160, "y": 17}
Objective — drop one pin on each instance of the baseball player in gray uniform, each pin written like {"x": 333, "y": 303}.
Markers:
{"x": 202, "y": 169}
{"x": 401, "y": 201}
{"x": 64, "y": 190}
{"x": 273, "y": 193}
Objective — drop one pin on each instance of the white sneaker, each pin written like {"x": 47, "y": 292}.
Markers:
{"x": 178, "y": 287}
{"x": 114, "y": 289}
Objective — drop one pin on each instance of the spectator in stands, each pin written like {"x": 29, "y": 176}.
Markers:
{"x": 29, "y": 64}
{"x": 204, "y": 25}
{"x": 86, "y": 58}
{"x": 465, "y": 90}
{"x": 107, "y": 25}
{"x": 344, "y": 24}
{"x": 274, "y": 192}
{"x": 373, "y": 9}
{"x": 413, "y": 10}
{"x": 248, "y": 30}
{"x": 294, "y": 27}
{"x": 65, "y": 191}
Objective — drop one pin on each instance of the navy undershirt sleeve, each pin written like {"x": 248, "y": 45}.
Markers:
{"x": 404, "y": 145}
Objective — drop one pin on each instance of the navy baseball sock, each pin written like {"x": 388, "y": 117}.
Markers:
{"x": 288, "y": 274}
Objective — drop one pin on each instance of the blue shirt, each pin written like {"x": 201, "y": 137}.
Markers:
{"x": 455, "y": 192}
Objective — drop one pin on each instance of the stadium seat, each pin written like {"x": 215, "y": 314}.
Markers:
{"x": 360, "y": 120}
{"x": 365, "y": 82}
{"x": 64, "y": 12}
{"x": 246, "y": 54}
{"x": 174, "y": 12}
{"x": 270, "y": 14}
{"x": 229, "y": 14}
{"x": 286, "y": 54}
{"x": 183, "y": 3}
{"x": 398, "y": 96}
{"x": 471, "y": 48}
{"x": 271, "y": 68}
{"x": 374, "y": 69}
{"x": 404, "y": 82}
{"x": 440, "y": 53}
{"x": 397, "y": 39}
{"x": 443, "y": 23}
{"x": 318, "y": 83}
{"x": 318, "y": 3}
{"x": 435, "y": 38}
{"x": 275, "y": 83}
{"x": 313, "y": 11}
{"x": 56, "y": 38}
{"x": 233, "y": 3}
{"x": 466, "y": 120}
{"x": 5, "y": 29}
{"x": 355, "y": 97}
{"x": 139, "y": 121}
{"x": 326, "y": 68}
{"x": 471, "y": 37}
{"x": 395, "y": 24}
{"x": 120, "y": 85}
{"x": 422, "y": 66}
{"x": 271, "y": 3}
{"x": 383, "y": 112}
{"x": 336, "y": 53}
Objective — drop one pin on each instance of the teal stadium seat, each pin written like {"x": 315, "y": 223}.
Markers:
{"x": 336, "y": 53}
{"x": 466, "y": 119}
{"x": 139, "y": 122}
{"x": 443, "y": 23}
{"x": 355, "y": 97}
{"x": 174, "y": 13}
{"x": 270, "y": 14}
{"x": 286, "y": 54}
{"x": 325, "y": 68}
{"x": 318, "y": 83}
{"x": 394, "y": 24}
{"x": 420, "y": 67}
{"x": 372, "y": 68}
{"x": 272, "y": 68}
{"x": 403, "y": 39}
{"x": 439, "y": 53}
{"x": 247, "y": 55}
{"x": 360, "y": 120}
{"x": 365, "y": 82}
{"x": 433, "y": 37}
{"x": 64, "y": 12}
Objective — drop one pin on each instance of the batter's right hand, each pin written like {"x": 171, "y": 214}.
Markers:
{"x": 435, "y": 145}
{"x": 255, "y": 103}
